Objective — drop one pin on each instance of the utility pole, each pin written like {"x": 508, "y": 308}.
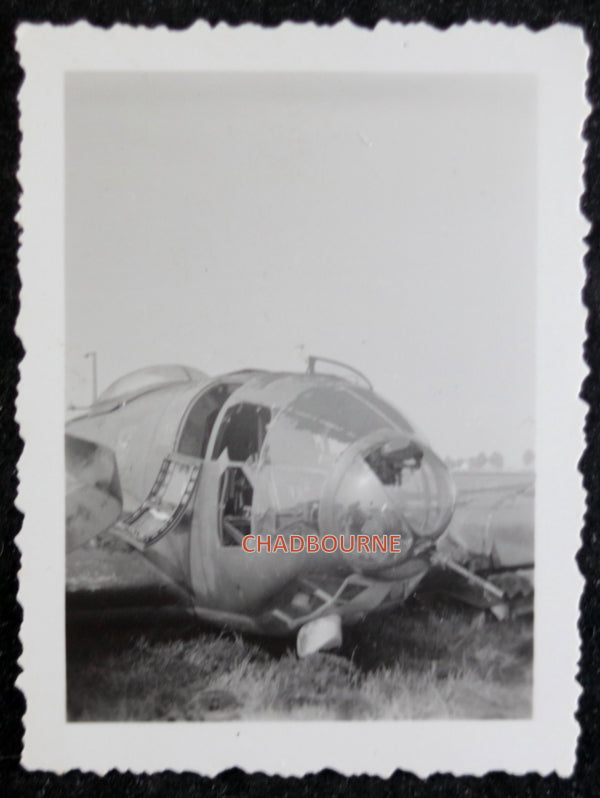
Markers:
{"x": 93, "y": 356}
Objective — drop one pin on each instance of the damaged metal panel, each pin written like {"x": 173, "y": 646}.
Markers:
{"x": 93, "y": 498}
{"x": 493, "y": 520}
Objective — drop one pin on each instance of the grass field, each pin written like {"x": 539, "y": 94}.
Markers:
{"x": 422, "y": 660}
{"x": 419, "y": 662}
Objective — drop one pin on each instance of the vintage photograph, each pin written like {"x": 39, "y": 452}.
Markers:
{"x": 300, "y": 446}
{"x": 302, "y": 319}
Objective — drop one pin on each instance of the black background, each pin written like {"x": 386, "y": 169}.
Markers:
{"x": 14, "y": 780}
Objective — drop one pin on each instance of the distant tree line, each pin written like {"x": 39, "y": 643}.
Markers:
{"x": 492, "y": 462}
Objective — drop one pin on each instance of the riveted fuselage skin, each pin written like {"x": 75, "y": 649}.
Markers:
{"x": 312, "y": 469}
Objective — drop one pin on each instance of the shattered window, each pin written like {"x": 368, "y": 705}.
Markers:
{"x": 242, "y": 432}
{"x": 235, "y": 506}
{"x": 335, "y": 413}
{"x": 386, "y": 409}
{"x": 303, "y": 443}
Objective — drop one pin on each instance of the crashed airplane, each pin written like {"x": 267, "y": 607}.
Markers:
{"x": 193, "y": 472}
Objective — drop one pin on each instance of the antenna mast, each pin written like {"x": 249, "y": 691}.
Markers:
{"x": 93, "y": 356}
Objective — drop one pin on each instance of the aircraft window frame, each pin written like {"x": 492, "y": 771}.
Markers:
{"x": 387, "y": 409}
{"x": 236, "y": 490}
{"x": 183, "y": 445}
{"x": 340, "y": 413}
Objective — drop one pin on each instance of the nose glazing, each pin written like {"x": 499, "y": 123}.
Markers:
{"x": 417, "y": 483}
{"x": 398, "y": 488}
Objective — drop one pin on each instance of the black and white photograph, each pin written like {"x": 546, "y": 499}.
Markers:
{"x": 222, "y": 233}
{"x": 301, "y": 313}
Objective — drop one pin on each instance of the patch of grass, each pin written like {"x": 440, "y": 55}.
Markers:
{"x": 413, "y": 663}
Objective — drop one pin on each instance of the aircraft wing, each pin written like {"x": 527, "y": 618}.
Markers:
{"x": 486, "y": 556}
{"x": 492, "y": 527}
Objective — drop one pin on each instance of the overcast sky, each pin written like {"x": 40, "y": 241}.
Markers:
{"x": 227, "y": 221}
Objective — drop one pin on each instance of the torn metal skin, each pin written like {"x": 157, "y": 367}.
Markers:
{"x": 180, "y": 467}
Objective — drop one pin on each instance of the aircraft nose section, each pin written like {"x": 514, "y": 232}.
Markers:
{"x": 393, "y": 487}
{"x": 418, "y": 485}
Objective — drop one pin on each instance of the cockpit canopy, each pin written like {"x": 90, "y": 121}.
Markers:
{"x": 150, "y": 377}
{"x": 319, "y": 465}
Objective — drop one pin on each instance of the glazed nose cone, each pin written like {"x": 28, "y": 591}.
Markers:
{"x": 396, "y": 488}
